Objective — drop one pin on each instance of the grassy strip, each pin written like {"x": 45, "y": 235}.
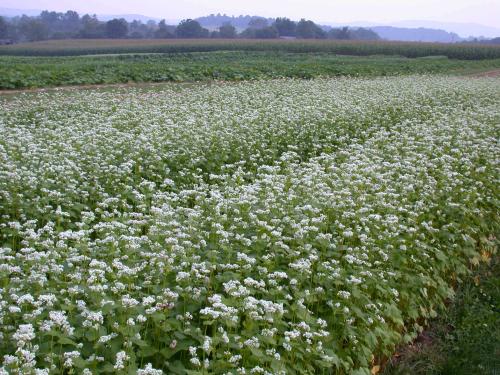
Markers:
{"x": 359, "y": 48}
{"x": 465, "y": 340}
{"x": 29, "y": 72}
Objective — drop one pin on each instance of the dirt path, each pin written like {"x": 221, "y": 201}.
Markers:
{"x": 491, "y": 73}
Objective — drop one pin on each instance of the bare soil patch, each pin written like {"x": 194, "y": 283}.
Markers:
{"x": 491, "y": 73}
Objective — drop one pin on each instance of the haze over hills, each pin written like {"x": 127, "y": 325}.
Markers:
{"x": 9, "y": 12}
{"x": 464, "y": 30}
{"x": 416, "y": 34}
{"x": 411, "y": 30}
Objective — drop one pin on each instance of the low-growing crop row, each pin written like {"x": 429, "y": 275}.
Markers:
{"x": 358, "y": 48}
{"x": 255, "y": 228}
{"x": 31, "y": 72}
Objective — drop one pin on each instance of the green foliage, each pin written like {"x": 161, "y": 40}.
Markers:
{"x": 357, "y": 48}
{"x": 269, "y": 32}
{"x": 20, "y": 72}
{"x": 33, "y": 29}
{"x": 466, "y": 338}
{"x": 227, "y": 31}
{"x": 116, "y": 28}
{"x": 309, "y": 30}
{"x": 4, "y": 31}
{"x": 285, "y": 26}
{"x": 190, "y": 29}
{"x": 287, "y": 226}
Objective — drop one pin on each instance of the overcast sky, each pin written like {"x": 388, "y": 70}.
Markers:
{"x": 486, "y": 12}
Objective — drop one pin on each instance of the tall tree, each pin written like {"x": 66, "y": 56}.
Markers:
{"x": 4, "y": 28}
{"x": 191, "y": 29}
{"x": 33, "y": 29}
{"x": 50, "y": 18}
{"x": 309, "y": 30}
{"x": 363, "y": 34}
{"x": 227, "y": 31}
{"x": 116, "y": 28}
{"x": 70, "y": 22}
{"x": 285, "y": 26}
{"x": 91, "y": 27}
{"x": 269, "y": 32}
{"x": 257, "y": 23}
{"x": 342, "y": 34}
{"x": 163, "y": 31}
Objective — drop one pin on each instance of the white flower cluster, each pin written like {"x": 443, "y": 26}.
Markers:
{"x": 249, "y": 228}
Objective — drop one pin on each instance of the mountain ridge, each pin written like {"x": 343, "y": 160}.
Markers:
{"x": 409, "y": 30}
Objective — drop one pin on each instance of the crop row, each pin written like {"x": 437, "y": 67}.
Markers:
{"x": 358, "y": 48}
{"x": 270, "y": 227}
{"x": 30, "y": 72}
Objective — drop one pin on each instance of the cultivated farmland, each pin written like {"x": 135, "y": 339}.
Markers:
{"x": 34, "y": 72}
{"x": 72, "y": 47}
{"x": 270, "y": 227}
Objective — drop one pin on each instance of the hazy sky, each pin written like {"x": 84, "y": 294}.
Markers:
{"x": 486, "y": 12}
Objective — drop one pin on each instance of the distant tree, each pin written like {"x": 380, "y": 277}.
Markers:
{"x": 33, "y": 29}
{"x": 91, "y": 27}
{"x": 363, "y": 34}
{"x": 60, "y": 25}
{"x": 4, "y": 28}
{"x": 191, "y": 29}
{"x": 71, "y": 22}
{"x": 50, "y": 18}
{"x": 285, "y": 26}
{"x": 342, "y": 34}
{"x": 257, "y": 23}
{"x": 248, "y": 33}
{"x": 137, "y": 30}
{"x": 116, "y": 28}
{"x": 269, "y": 32}
{"x": 309, "y": 30}
{"x": 227, "y": 31}
{"x": 163, "y": 31}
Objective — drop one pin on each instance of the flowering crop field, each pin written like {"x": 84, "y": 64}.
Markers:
{"x": 272, "y": 227}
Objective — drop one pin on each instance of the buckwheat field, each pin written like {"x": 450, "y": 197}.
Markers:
{"x": 273, "y": 227}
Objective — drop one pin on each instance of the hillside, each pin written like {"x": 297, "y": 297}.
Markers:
{"x": 420, "y": 34}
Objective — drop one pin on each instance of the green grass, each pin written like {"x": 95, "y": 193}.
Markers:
{"x": 32, "y": 72}
{"x": 358, "y": 48}
{"x": 466, "y": 338}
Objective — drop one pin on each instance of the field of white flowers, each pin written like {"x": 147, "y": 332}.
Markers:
{"x": 277, "y": 227}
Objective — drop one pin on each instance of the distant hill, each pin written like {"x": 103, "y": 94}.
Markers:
{"x": 487, "y": 41}
{"x": 128, "y": 17}
{"x": 416, "y": 30}
{"x": 420, "y": 34}
{"x": 214, "y": 21}
{"x": 9, "y": 12}
{"x": 463, "y": 29}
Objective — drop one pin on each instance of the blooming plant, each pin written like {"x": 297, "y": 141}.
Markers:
{"x": 280, "y": 227}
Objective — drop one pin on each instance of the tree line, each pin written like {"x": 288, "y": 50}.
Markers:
{"x": 60, "y": 25}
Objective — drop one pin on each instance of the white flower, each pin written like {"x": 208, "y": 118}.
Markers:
{"x": 24, "y": 334}
{"x": 149, "y": 370}
{"x": 121, "y": 358}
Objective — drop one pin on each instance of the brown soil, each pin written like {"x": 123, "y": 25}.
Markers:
{"x": 491, "y": 73}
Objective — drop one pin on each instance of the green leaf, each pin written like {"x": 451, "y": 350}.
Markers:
{"x": 66, "y": 341}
